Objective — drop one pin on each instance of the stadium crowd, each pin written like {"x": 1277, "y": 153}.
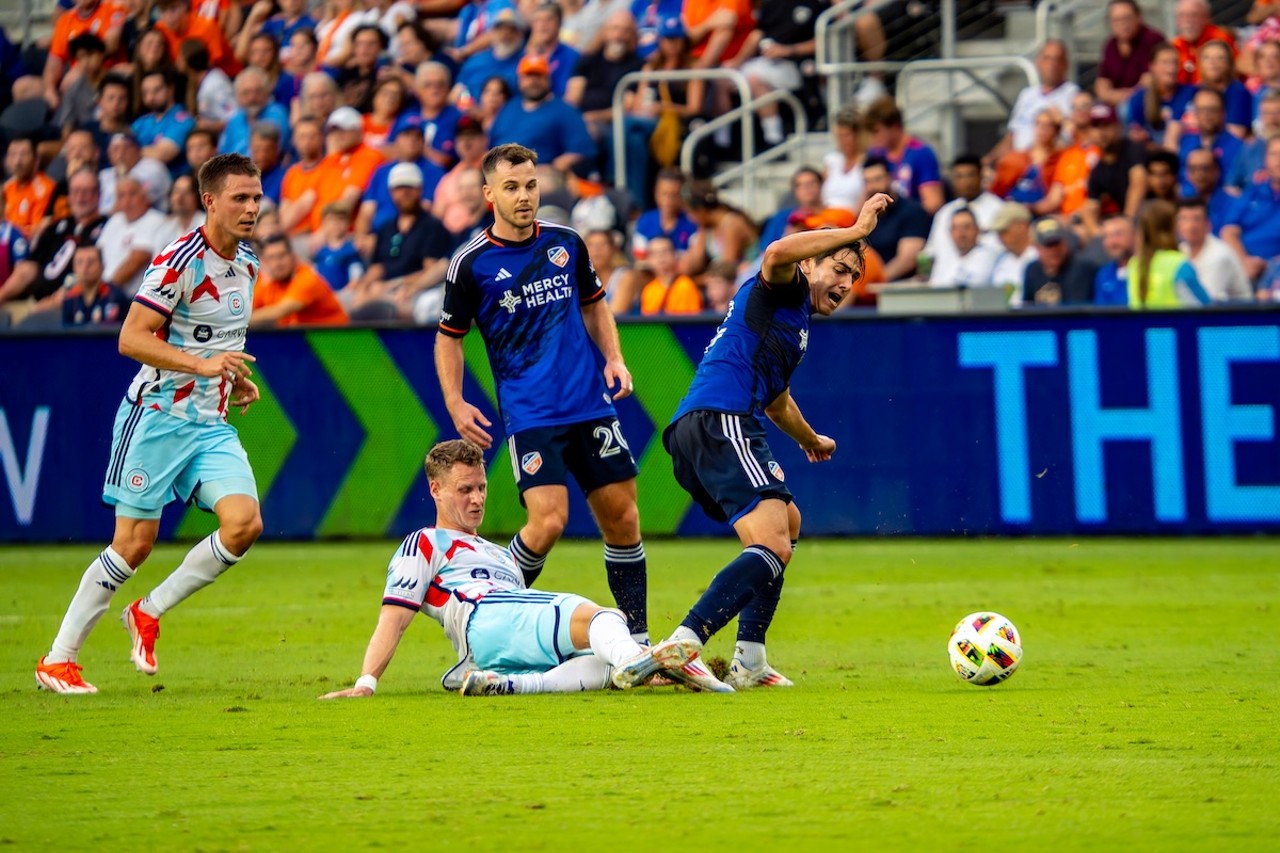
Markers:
{"x": 369, "y": 119}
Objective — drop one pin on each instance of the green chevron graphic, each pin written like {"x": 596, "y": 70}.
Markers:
{"x": 267, "y": 436}
{"x": 398, "y": 431}
{"x": 504, "y": 511}
{"x": 662, "y": 373}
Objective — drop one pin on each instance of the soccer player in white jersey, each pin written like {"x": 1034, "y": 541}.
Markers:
{"x": 509, "y": 639}
{"x": 172, "y": 440}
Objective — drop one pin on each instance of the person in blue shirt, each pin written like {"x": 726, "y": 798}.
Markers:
{"x": 162, "y": 130}
{"x": 376, "y": 205}
{"x": 1163, "y": 101}
{"x": 1210, "y": 112}
{"x": 544, "y": 41}
{"x": 253, "y": 94}
{"x": 649, "y": 15}
{"x": 558, "y": 368}
{"x": 264, "y": 150}
{"x": 718, "y": 445}
{"x": 13, "y": 248}
{"x": 1111, "y": 284}
{"x": 1204, "y": 175}
{"x": 541, "y": 121}
{"x": 337, "y": 260}
{"x": 439, "y": 118}
{"x": 806, "y": 192}
{"x": 280, "y": 26}
{"x": 668, "y": 218}
{"x": 499, "y": 60}
{"x": 1253, "y": 228}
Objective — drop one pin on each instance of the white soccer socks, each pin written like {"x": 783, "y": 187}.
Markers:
{"x": 104, "y": 576}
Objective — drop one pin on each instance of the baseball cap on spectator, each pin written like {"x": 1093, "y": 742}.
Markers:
{"x": 671, "y": 28}
{"x": 344, "y": 118}
{"x": 507, "y": 17}
{"x": 832, "y": 217}
{"x": 1049, "y": 232}
{"x": 1009, "y": 214}
{"x": 408, "y": 121}
{"x": 404, "y": 175}
{"x": 531, "y": 64}
{"x": 1102, "y": 114}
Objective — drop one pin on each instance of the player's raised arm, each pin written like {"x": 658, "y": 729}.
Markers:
{"x": 780, "y": 258}
{"x": 138, "y": 341}
{"x": 393, "y": 621}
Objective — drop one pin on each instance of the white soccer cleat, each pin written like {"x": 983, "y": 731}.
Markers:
{"x": 695, "y": 675}
{"x": 743, "y": 678}
{"x": 63, "y": 677}
{"x": 479, "y": 682}
{"x": 664, "y": 656}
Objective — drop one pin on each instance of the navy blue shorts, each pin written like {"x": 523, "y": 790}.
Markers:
{"x": 594, "y": 452}
{"x": 724, "y": 462}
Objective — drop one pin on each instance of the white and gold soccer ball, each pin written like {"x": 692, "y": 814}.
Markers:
{"x": 985, "y": 648}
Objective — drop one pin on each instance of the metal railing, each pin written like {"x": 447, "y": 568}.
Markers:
{"x": 966, "y": 67}
{"x": 27, "y": 14}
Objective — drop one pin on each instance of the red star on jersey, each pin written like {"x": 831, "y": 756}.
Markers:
{"x": 206, "y": 287}
{"x": 184, "y": 392}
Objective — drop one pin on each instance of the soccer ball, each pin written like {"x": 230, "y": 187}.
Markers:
{"x": 985, "y": 648}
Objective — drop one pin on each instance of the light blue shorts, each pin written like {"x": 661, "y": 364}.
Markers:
{"x": 157, "y": 458}
{"x": 524, "y": 630}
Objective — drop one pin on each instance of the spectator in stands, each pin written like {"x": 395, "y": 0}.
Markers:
{"x": 717, "y": 30}
{"x": 1217, "y": 266}
{"x": 1028, "y": 176}
{"x": 1126, "y": 54}
{"x": 1111, "y": 284}
{"x": 1159, "y": 275}
{"x": 479, "y": 211}
{"x": 357, "y": 77}
{"x": 130, "y": 239}
{"x": 78, "y": 152}
{"x": 296, "y": 62}
{"x": 291, "y": 293}
{"x": 1253, "y": 228}
{"x": 596, "y": 76}
{"x": 79, "y": 89}
{"x": 471, "y": 145}
{"x": 887, "y": 26}
{"x": 474, "y": 28}
{"x": 782, "y": 40}
{"x": 1191, "y": 20}
{"x": 966, "y": 180}
{"x": 253, "y": 94}
{"x": 298, "y": 189}
{"x": 344, "y": 174}
{"x": 899, "y": 237}
{"x": 669, "y": 217}
{"x": 29, "y": 115}
{"x": 719, "y": 285}
{"x": 973, "y": 263}
{"x": 101, "y": 18}
{"x": 13, "y": 248}
{"x": 501, "y": 59}
{"x": 1163, "y": 102}
{"x": 1077, "y": 159}
{"x": 1162, "y": 175}
{"x": 1203, "y": 174}
{"x": 1118, "y": 182}
{"x": 669, "y": 292}
{"x": 543, "y": 122}
{"x": 162, "y": 130}
{"x": 412, "y": 47}
{"x": 1211, "y": 135}
{"x": 1267, "y": 79}
{"x": 266, "y": 151}
{"x": 1058, "y": 276}
{"x": 1250, "y": 163}
{"x": 410, "y": 255}
{"x": 843, "y": 185}
{"x": 226, "y": 14}
{"x": 338, "y": 261}
{"x": 389, "y": 100}
{"x": 1218, "y": 72}
{"x": 126, "y": 160}
{"x": 318, "y": 97}
{"x": 1053, "y": 90}
{"x": 376, "y": 205}
{"x": 724, "y": 232}
{"x": 1013, "y": 226}
{"x": 113, "y": 112}
{"x": 177, "y": 24}
{"x": 584, "y": 20}
{"x": 685, "y": 100}
{"x": 650, "y": 15}
{"x": 291, "y": 17}
{"x": 185, "y": 214}
{"x": 914, "y": 164}
{"x": 264, "y": 53}
{"x": 544, "y": 41}
{"x": 92, "y": 301}
{"x": 28, "y": 192}
{"x": 604, "y": 248}
{"x": 202, "y": 146}
{"x": 439, "y": 117}
{"x": 806, "y": 192}
{"x": 333, "y": 32}
{"x": 43, "y": 271}
{"x": 210, "y": 93}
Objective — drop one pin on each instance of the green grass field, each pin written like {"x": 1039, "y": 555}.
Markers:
{"x": 1144, "y": 713}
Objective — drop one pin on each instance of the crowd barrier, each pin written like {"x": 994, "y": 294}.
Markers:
{"x": 1127, "y": 423}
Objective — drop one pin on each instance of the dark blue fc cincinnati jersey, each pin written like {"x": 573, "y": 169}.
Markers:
{"x": 756, "y": 349}
{"x": 526, "y": 298}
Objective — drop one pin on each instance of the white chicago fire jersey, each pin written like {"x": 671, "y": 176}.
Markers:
{"x": 442, "y": 573}
{"x": 207, "y": 299}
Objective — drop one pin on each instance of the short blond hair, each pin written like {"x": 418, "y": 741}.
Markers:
{"x": 441, "y": 458}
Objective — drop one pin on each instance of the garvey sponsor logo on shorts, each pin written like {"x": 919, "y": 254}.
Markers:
{"x": 136, "y": 480}
{"x": 776, "y": 470}
{"x": 531, "y": 463}
{"x": 558, "y": 255}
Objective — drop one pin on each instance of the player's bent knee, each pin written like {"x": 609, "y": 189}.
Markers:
{"x": 134, "y": 550}
{"x": 239, "y": 526}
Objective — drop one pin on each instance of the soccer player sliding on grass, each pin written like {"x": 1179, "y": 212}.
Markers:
{"x": 717, "y": 442}
{"x": 509, "y": 639}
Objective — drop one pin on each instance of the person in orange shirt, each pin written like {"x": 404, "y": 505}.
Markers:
{"x": 1195, "y": 30}
{"x": 28, "y": 192}
{"x": 177, "y": 24}
{"x": 344, "y": 174}
{"x": 100, "y": 18}
{"x": 717, "y": 29}
{"x": 290, "y": 293}
{"x": 297, "y": 190}
{"x": 668, "y": 292}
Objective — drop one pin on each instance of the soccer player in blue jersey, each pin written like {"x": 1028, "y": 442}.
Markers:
{"x": 717, "y": 442}
{"x": 172, "y": 440}
{"x": 553, "y": 348}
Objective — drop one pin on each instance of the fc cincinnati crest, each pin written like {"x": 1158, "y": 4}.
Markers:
{"x": 531, "y": 463}
{"x": 236, "y": 304}
{"x": 558, "y": 255}
{"x": 776, "y": 470}
{"x": 136, "y": 480}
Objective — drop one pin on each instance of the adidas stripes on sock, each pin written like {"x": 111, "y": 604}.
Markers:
{"x": 527, "y": 560}
{"x": 100, "y": 581}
